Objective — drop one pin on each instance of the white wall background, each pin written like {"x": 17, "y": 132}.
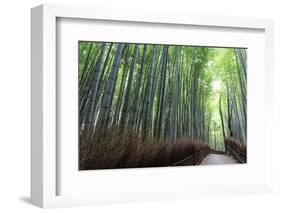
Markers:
{"x": 15, "y": 104}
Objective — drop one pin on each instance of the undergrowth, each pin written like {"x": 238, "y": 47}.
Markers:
{"x": 116, "y": 150}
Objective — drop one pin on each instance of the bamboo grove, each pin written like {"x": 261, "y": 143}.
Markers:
{"x": 162, "y": 92}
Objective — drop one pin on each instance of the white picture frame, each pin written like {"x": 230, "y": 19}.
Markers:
{"x": 45, "y": 168}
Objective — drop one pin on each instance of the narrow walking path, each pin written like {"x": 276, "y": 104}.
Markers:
{"x": 217, "y": 159}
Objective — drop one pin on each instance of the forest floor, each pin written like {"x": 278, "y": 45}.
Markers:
{"x": 217, "y": 159}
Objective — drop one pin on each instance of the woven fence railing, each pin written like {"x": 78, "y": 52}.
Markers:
{"x": 234, "y": 149}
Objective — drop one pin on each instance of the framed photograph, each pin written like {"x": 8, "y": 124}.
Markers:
{"x": 129, "y": 106}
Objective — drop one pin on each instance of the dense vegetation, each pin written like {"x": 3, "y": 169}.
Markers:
{"x": 158, "y": 94}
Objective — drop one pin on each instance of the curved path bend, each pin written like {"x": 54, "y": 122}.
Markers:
{"x": 217, "y": 159}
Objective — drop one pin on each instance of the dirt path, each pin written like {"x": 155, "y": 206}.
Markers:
{"x": 217, "y": 159}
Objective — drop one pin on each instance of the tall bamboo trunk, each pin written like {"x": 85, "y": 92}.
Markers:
{"x": 109, "y": 88}
{"x": 95, "y": 82}
{"x": 125, "y": 109}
